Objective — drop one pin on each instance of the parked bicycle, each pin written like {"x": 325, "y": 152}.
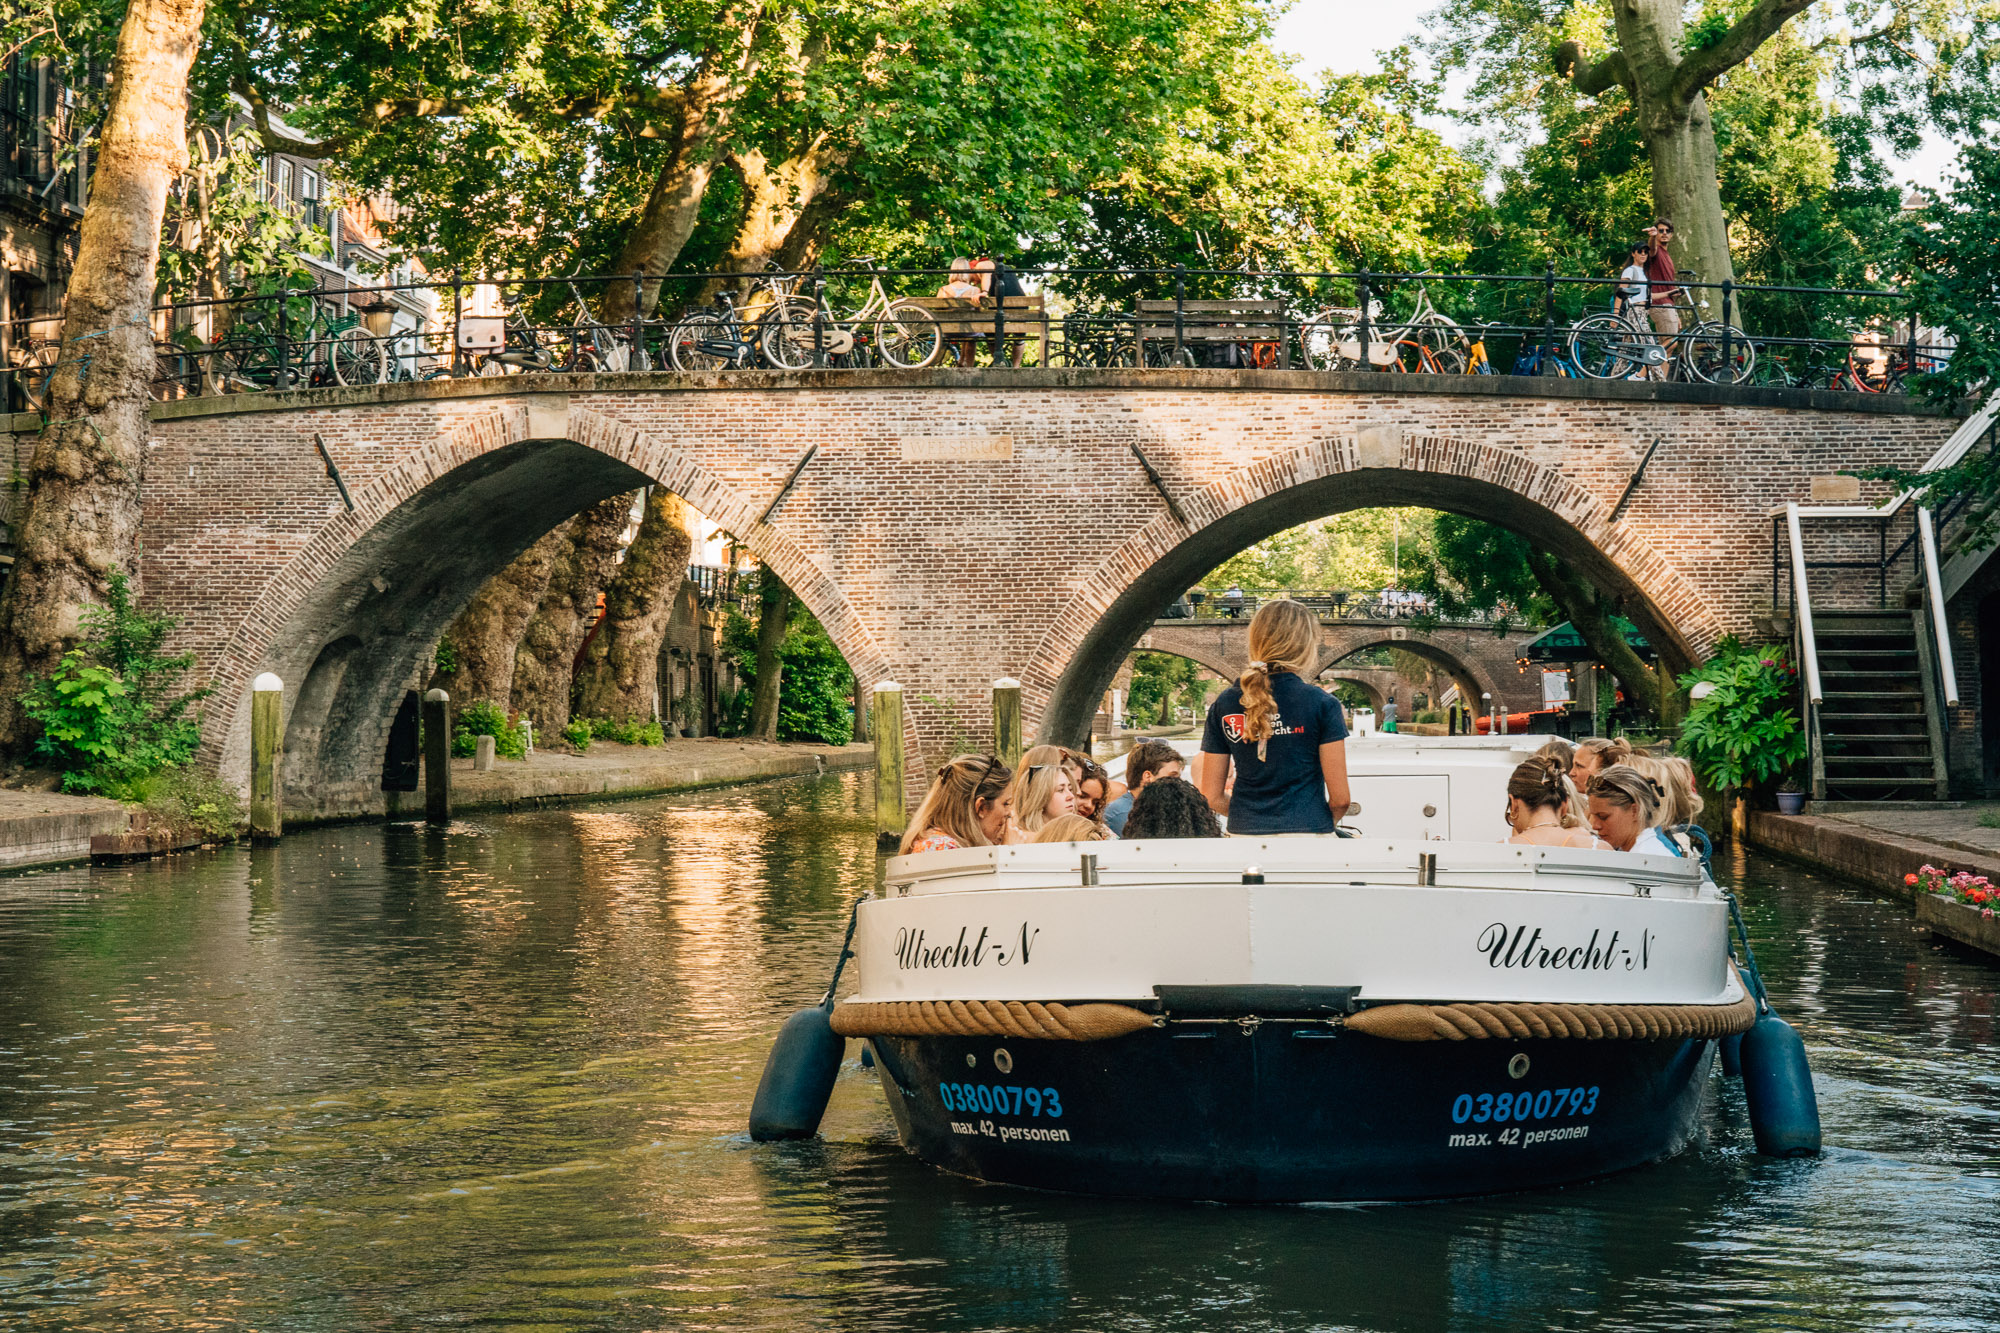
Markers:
{"x": 802, "y": 331}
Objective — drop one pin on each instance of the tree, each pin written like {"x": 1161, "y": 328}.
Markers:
{"x": 774, "y": 608}
{"x": 1361, "y": 551}
{"x": 620, "y": 675}
{"x": 1264, "y": 174}
{"x": 1665, "y": 89}
{"x": 545, "y": 661}
{"x": 596, "y": 131}
{"x": 1480, "y": 565}
{"x": 82, "y": 520}
{"x": 815, "y": 687}
{"x": 485, "y": 636}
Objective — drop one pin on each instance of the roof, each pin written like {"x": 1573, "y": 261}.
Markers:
{"x": 1564, "y": 644}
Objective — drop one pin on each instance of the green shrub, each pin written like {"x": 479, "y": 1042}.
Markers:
{"x": 815, "y": 688}
{"x": 445, "y": 656}
{"x": 1746, "y": 730}
{"x": 109, "y": 713}
{"x": 625, "y": 731}
{"x": 485, "y": 718}
{"x": 187, "y": 801}
{"x": 577, "y": 733}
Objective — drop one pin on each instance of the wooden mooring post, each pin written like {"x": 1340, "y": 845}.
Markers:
{"x": 1007, "y": 721}
{"x": 887, "y": 724}
{"x": 437, "y": 757}
{"x": 267, "y": 735}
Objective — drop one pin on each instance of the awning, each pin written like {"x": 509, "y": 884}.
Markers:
{"x": 1564, "y": 644}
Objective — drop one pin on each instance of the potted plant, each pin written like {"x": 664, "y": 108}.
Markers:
{"x": 1742, "y": 729}
{"x": 1791, "y": 797}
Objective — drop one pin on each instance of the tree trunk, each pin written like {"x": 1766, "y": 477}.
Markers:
{"x": 82, "y": 512}
{"x": 1681, "y": 143}
{"x": 1587, "y": 616}
{"x": 674, "y": 204}
{"x": 621, "y": 667}
{"x": 544, "y": 662}
{"x": 774, "y": 614}
{"x": 488, "y": 632}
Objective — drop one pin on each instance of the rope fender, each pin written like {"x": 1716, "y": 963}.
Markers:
{"x": 988, "y": 1018}
{"x": 1591, "y": 1022}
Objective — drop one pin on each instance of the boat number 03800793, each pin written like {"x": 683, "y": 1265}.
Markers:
{"x": 1001, "y": 1099}
{"x": 1518, "y": 1106}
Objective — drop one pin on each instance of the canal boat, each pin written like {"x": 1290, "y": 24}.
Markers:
{"x": 1292, "y": 1019}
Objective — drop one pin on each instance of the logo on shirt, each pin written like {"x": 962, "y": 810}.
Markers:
{"x": 1233, "y": 726}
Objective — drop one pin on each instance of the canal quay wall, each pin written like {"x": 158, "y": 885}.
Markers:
{"x": 608, "y": 772}
{"x": 40, "y": 828}
{"x": 1878, "y": 848}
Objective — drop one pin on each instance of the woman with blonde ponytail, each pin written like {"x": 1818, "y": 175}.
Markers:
{"x": 1284, "y": 735}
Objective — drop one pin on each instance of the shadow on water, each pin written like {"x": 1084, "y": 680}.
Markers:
{"x": 496, "y": 1075}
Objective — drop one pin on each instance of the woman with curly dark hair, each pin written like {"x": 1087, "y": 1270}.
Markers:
{"x": 1171, "y": 808}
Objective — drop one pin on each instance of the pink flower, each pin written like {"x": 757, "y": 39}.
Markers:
{"x": 1986, "y": 915}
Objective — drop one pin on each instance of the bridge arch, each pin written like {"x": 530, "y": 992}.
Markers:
{"x": 1375, "y": 467}
{"x": 350, "y": 618}
{"x": 1472, "y": 676}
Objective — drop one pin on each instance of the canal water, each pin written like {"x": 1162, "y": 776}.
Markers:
{"x": 496, "y": 1076}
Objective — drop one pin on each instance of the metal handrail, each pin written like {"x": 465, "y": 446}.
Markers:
{"x": 1934, "y": 586}
{"x": 1808, "y": 644}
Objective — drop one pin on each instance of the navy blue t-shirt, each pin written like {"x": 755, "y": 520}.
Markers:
{"x": 1285, "y": 792}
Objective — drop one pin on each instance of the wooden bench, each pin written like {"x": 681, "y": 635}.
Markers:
{"x": 1257, "y": 325}
{"x": 962, "y": 319}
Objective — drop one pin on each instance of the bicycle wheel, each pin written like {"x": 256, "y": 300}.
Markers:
{"x": 1704, "y": 357}
{"x": 908, "y": 337}
{"x": 1606, "y": 347}
{"x": 786, "y": 336}
{"x": 692, "y": 345}
{"x": 1441, "y": 334}
{"x": 357, "y": 358}
{"x": 1319, "y": 344}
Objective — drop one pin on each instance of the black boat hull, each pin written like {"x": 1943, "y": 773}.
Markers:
{"x": 1290, "y": 1111}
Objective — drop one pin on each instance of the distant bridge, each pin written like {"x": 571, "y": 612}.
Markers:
{"x": 1478, "y": 658}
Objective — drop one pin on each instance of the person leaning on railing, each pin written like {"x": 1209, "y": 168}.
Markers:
{"x": 1663, "y": 289}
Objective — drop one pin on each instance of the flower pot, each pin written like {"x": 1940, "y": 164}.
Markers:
{"x": 1791, "y": 802}
{"x": 1959, "y": 921}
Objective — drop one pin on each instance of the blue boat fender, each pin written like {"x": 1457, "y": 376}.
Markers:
{"x": 799, "y": 1072}
{"x": 1778, "y": 1089}
{"x": 1731, "y": 1047}
{"x": 798, "y": 1077}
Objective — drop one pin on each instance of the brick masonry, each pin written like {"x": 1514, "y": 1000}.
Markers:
{"x": 941, "y": 574}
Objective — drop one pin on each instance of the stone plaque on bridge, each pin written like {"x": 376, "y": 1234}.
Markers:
{"x": 958, "y": 448}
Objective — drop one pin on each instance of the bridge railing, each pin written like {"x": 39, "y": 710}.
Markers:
{"x": 1331, "y": 606}
{"x": 857, "y": 316}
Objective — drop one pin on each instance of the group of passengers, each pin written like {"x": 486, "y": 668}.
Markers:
{"x": 1273, "y": 760}
{"x": 1604, "y": 794}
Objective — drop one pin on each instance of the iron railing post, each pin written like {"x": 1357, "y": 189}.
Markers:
{"x": 633, "y": 362}
{"x": 1910, "y": 366}
{"x": 1549, "y": 309}
{"x": 1180, "y": 312}
{"x": 819, "y": 317}
{"x": 999, "y": 318}
{"x": 457, "y": 314}
{"x": 1728, "y": 361}
{"x": 1362, "y": 285}
{"x": 284, "y": 338}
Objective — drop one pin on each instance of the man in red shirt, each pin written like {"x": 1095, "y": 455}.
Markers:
{"x": 1664, "y": 291}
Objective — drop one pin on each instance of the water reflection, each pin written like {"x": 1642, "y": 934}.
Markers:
{"x": 379, "y": 1078}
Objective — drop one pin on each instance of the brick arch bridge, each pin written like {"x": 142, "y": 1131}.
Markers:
{"x": 945, "y": 529}
{"x": 1478, "y": 660}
